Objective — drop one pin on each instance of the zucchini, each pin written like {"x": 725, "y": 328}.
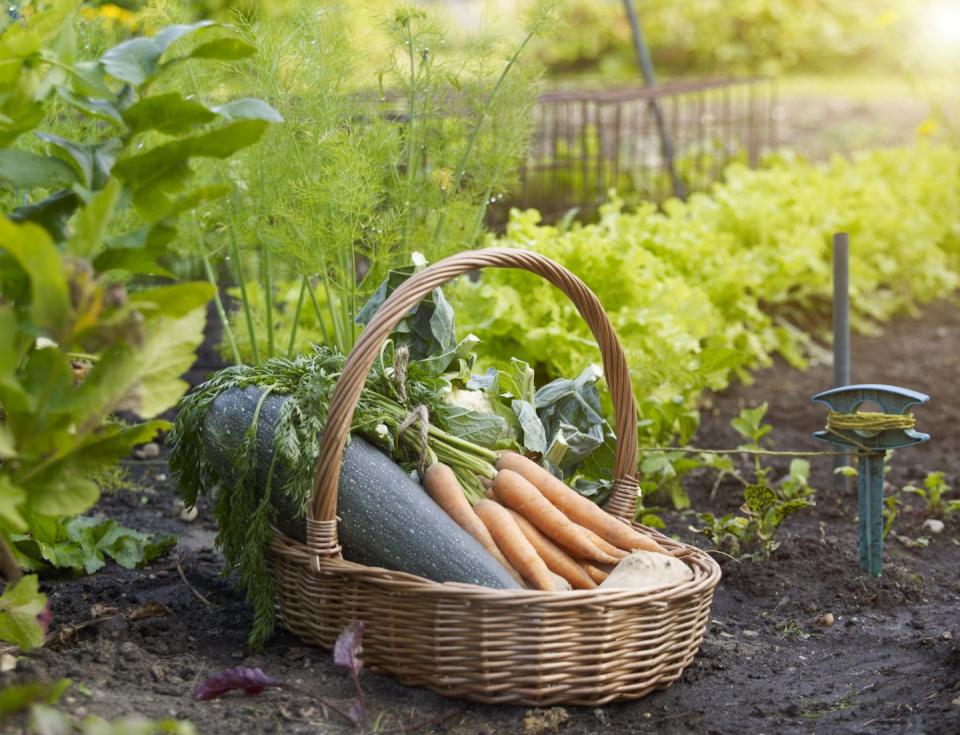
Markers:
{"x": 386, "y": 519}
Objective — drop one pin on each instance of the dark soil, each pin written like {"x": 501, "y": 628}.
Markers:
{"x": 890, "y": 663}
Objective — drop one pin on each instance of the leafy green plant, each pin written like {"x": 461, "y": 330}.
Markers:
{"x": 82, "y": 545}
{"x": 737, "y": 36}
{"x": 934, "y": 488}
{"x": 755, "y": 529}
{"x": 83, "y": 214}
{"x": 708, "y": 290}
{"x": 368, "y": 167}
{"x": 766, "y": 505}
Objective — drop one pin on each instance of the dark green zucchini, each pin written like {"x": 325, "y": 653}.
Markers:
{"x": 386, "y": 519}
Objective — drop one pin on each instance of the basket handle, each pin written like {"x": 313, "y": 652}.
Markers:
{"x": 346, "y": 393}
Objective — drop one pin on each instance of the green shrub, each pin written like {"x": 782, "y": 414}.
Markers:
{"x": 713, "y": 288}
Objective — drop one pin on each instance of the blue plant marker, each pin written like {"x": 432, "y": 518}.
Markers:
{"x": 871, "y": 448}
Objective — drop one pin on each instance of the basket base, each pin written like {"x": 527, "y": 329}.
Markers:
{"x": 530, "y": 648}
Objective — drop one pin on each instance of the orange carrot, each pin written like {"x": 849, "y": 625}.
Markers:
{"x": 444, "y": 487}
{"x": 513, "y": 490}
{"x": 604, "y": 545}
{"x": 556, "y": 559}
{"x": 595, "y": 573}
{"x": 514, "y": 544}
{"x": 577, "y": 507}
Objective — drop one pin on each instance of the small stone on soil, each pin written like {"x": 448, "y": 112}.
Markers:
{"x": 933, "y": 525}
{"x": 148, "y": 451}
{"x": 826, "y": 620}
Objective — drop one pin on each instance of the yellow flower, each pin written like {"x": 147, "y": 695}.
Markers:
{"x": 928, "y": 128}
{"x": 887, "y": 18}
{"x": 113, "y": 13}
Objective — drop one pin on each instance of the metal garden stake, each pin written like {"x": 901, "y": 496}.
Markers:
{"x": 870, "y": 435}
{"x": 841, "y": 332}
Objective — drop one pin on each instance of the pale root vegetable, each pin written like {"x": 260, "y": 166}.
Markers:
{"x": 515, "y": 492}
{"x": 578, "y": 508}
{"x": 556, "y": 559}
{"x": 595, "y": 573}
{"x": 443, "y": 486}
{"x": 514, "y": 544}
{"x": 645, "y": 570}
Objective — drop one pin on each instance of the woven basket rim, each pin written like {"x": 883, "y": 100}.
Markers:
{"x": 705, "y": 568}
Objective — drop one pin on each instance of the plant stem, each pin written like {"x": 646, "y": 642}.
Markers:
{"x": 472, "y": 140}
{"x": 296, "y": 317}
{"x": 221, "y": 312}
{"x": 8, "y": 563}
{"x": 319, "y": 313}
{"x": 267, "y": 294}
{"x": 335, "y": 315}
{"x": 235, "y": 252}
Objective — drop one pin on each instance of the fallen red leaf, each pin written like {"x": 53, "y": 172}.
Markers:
{"x": 252, "y": 681}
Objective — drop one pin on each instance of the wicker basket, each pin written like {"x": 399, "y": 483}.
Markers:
{"x": 520, "y": 646}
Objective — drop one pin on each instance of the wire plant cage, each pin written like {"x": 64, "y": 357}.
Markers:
{"x": 589, "y": 141}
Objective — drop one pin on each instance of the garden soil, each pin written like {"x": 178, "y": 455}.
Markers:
{"x": 889, "y": 663}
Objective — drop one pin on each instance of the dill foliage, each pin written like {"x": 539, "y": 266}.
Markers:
{"x": 376, "y": 158}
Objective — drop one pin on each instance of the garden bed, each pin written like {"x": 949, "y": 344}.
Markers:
{"x": 889, "y": 663}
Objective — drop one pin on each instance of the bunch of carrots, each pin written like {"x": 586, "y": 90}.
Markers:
{"x": 543, "y": 532}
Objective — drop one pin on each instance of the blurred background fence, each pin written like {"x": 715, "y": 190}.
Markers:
{"x": 587, "y": 141}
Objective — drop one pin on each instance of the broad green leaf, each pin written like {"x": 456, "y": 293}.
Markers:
{"x": 89, "y": 80}
{"x": 146, "y": 379}
{"x": 103, "y": 109}
{"x": 137, "y": 252}
{"x": 7, "y": 446}
{"x": 137, "y": 60}
{"x": 20, "y": 605}
{"x": 481, "y": 428}
{"x": 25, "y": 170}
{"x": 91, "y": 162}
{"x": 715, "y": 359}
{"x": 132, "y": 61}
{"x": 165, "y": 38}
{"x": 534, "y": 435}
{"x": 90, "y": 226}
{"x": 61, "y": 495}
{"x": 30, "y": 244}
{"x": 12, "y": 395}
{"x": 160, "y": 162}
{"x": 249, "y": 108}
{"x": 52, "y": 213}
{"x": 227, "y": 49}
{"x": 167, "y": 353}
{"x": 19, "y": 697}
{"x": 170, "y": 113}
{"x": 11, "y": 500}
{"x": 174, "y": 301}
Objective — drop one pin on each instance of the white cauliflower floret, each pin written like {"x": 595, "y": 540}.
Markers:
{"x": 473, "y": 400}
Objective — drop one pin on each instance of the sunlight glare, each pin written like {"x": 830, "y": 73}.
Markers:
{"x": 943, "y": 23}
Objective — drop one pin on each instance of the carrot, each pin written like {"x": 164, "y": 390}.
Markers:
{"x": 577, "y": 507}
{"x": 595, "y": 573}
{"x": 514, "y": 544}
{"x": 444, "y": 487}
{"x": 513, "y": 490}
{"x": 556, "y": 559}
{"x": 605, "y": 545}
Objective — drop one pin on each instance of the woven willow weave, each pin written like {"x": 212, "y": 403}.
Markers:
{"x": 521, "y": 646}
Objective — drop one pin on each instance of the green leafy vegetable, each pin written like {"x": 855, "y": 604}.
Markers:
{"x": 20, "y": 605}
{"x": 82, "y": 545}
